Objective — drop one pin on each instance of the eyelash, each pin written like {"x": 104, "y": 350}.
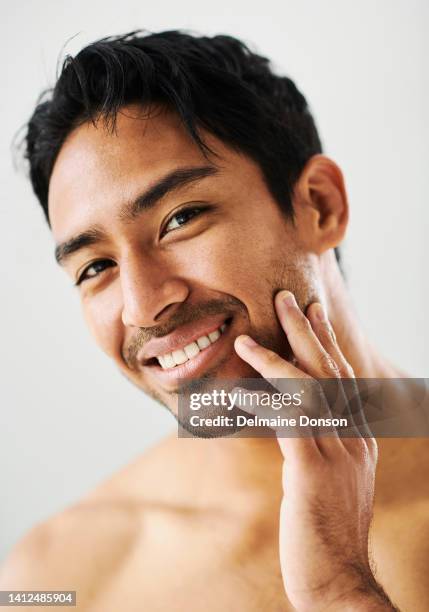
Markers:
{"x": 195, "y": 210}
{"x": 83, "y": 277}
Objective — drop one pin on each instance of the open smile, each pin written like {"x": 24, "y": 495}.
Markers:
{"x": 190, "y": 357}
{"x": 190, "y": 351}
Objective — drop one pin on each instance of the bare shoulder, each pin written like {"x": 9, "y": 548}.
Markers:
{"x": 83, "y": 544}
{"x": 88, "y": 542}
{"x": 73, "y": 549}
{"x": 108, "y": 536}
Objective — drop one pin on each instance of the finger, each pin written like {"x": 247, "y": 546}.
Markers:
{"x": 308, "y": 350}
{"x": 293, "y": 441}
{"x": 271, "y": 365}
{"x": 275, "y": 405}
{"x": 305, "y": 438}
{"x": 344, "y": 403}
{"x": 353, "y": 393}
{"x": 314, "y": 359}
{"x": 322, "y": 327}
{"x": 268, "y": 363}
{"x": 263, "y": 405}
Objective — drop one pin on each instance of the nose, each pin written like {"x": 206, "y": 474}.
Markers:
{"x": 151, "y": 292}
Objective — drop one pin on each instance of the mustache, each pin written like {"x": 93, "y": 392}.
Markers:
{"x": 188, "y": 313}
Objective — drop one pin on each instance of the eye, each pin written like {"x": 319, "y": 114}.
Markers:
{"x": 180, "y": 218}
{"x": 95, "y": 269}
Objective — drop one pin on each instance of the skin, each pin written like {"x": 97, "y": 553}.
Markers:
{"x": 159, "y": 530}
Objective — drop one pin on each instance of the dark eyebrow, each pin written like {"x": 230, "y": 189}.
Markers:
{"x": 85, "y": 239}
{"x": 146, "y": 200}
{"x": 168, "y": 183}
{"x": 164, "y": 186}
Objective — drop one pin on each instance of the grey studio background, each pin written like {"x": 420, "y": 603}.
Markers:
{"x": 68, "y": 419}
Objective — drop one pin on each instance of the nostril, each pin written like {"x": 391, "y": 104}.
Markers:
{"x": 167, "y": 311}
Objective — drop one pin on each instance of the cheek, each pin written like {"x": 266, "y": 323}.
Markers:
{"x": 233, "y": 259}
{"x": 102, "y": 314}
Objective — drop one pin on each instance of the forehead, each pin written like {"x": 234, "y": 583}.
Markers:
{"x": 97, "y": 169}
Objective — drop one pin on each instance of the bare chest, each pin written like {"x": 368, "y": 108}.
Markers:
{"x": 215, "y": 565}
{"x": 212, "y": 569}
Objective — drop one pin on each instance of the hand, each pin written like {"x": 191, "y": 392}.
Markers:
{"x": 328, "y": 481}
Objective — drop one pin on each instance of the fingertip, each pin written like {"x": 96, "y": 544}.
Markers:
{"x": 244, "y": 341}
{"x": 285, "y": 298}
{"x": 317, "y": 313}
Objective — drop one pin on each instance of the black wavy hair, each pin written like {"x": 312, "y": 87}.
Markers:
{"x": 216, "y": 83}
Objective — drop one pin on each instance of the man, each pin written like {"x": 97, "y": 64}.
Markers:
{"x": 192, "y": 207}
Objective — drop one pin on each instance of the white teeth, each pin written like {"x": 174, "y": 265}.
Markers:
{"x": 179, "y": 356}
{"x": 170, "y": 360}
{"x": 214, "y": 335}
{"x": 191, "y": 350}
{"x": 203, "y": 342}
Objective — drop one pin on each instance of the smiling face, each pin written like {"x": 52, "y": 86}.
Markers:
{"x": 174, "y": 255}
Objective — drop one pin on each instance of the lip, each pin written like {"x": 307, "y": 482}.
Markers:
{"x": 196, "y": 366}
{"x": 180, "y": 338}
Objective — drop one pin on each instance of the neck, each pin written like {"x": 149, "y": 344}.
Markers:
{"x": 248, "y": 472}
{"x": 357, "y": 349}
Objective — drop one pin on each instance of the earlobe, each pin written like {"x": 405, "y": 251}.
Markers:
{"x": 320, "y": 204}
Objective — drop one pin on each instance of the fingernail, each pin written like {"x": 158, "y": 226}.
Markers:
{"x": 319, "y": 312}
{"x": 246, "y": 340}
{"x": 288, "y": 298}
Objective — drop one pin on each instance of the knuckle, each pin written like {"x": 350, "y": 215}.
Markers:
{"x": 327, "y": 366}
{"x": 346, "y": 371}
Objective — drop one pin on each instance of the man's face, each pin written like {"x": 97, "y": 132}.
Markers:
{"x": 176, "y": 255}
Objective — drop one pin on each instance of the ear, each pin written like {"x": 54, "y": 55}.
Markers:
{"x": 320, "y": 205}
